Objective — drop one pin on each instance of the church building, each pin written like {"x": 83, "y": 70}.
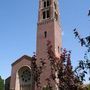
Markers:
{"x": 48, "y": 28}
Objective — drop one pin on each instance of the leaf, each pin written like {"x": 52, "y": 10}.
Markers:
{"x": 85, "y": 72}
{"x": 82, "y": 41}
{"x": 88, "y": 40}
{"x": 89, "y": 13}
{"x": 76, "y": 33}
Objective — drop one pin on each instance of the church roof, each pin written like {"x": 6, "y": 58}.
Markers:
{"x": 23, "y": 57}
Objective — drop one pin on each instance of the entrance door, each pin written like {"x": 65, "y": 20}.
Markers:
{"x": 25, "y": 78}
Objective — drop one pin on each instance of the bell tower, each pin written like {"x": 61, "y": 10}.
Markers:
{"x": 48, "y": 28}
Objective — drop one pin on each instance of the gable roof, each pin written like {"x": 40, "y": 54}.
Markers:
{"x": 23, "y": 57}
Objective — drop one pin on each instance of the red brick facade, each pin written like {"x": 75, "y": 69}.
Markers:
{"x": 48, "y": 28}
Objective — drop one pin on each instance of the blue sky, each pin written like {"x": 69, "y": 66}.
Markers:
{"x": 18, "y": 26}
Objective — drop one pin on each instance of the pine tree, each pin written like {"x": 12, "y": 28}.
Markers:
{"x": 1, "y": 84}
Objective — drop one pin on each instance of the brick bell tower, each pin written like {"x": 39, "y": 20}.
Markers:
{"x": 48, "y": 28}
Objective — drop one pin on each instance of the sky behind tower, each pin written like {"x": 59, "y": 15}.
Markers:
{"x": 18, "y": 26}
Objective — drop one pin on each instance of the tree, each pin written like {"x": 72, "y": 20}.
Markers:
{"x": 88, "y": 86}
{"x": 61, "y": 69}
{"x": 1, "y": 84}
{"x": 84, "y": 65}
{"x": 88, "y": 12}
{"x": 66, "y": 76}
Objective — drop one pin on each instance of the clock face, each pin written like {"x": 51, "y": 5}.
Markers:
{"x": 25, "y": 76}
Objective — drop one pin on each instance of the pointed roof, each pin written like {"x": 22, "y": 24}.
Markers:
{"x": 23, "y": 57}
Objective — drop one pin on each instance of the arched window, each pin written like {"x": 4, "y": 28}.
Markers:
{"x": 45, "y": 34}
{"x": 46, "y": 9}
{"x": 58, "y": 49}
{"x": 46, "y": 3}
{"x": 46, "y": 14}
{"x": 24, "y": 75}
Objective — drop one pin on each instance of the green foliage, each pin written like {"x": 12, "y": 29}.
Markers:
{"x": 88, "y": 86}
{"x": 1, "y": 84}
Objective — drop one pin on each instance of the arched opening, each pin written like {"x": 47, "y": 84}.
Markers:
{"x": 46, "y": 3}
{"x": 46, "y": 14}
{"x": 58, "y": 49}
{"x": 45, "y": 34}
{"x": 24, "y": 75}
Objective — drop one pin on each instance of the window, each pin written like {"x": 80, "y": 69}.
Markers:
{"x": 46, "y": 3}
{"x": 45, "y": 34}
{"x": 25, "y": 76}
{"x": 46, "y": 14}
{"x": 58, "y": 49}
